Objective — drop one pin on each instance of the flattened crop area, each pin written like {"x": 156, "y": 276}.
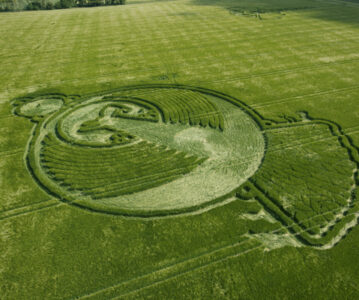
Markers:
{"x": 180, "y": 150}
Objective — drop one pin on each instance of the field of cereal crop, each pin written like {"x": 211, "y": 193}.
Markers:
{"x": 186, "y": 149}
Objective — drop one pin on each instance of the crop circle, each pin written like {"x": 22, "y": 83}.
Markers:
{"x": 146, "y": 151}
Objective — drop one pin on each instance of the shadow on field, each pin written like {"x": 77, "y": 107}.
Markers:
{"x": 342, "y": 11}
{"x": 260, "y": 4}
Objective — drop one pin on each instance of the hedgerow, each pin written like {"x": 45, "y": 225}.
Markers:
{"x": 63, "y": 4}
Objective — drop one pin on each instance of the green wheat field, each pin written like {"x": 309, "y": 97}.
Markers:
{"x": 184, "y": 149}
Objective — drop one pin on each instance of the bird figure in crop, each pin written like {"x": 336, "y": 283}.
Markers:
{"x": 162, "y": 150}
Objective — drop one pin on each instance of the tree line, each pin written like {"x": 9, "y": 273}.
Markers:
{"x": 60, "y": 4}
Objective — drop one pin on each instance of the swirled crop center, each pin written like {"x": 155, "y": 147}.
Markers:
{"x": 148, "y": 150}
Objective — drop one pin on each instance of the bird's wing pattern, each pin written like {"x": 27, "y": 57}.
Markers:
{"x": 110, "y": 172}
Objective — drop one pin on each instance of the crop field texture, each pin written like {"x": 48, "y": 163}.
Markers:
{"x": 186, "y": 149}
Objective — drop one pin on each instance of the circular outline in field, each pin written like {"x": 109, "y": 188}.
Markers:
{"x": 53, "y": 188}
